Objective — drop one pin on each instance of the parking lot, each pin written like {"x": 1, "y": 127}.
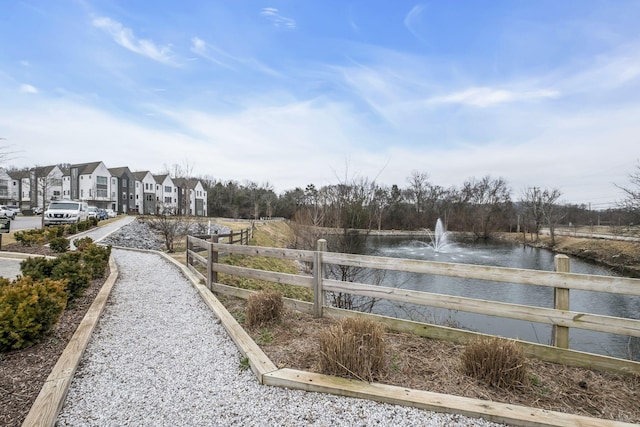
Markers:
{"x": 26, "y": 222}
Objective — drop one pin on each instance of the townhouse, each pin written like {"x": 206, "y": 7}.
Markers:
{"x": 116, "y": 188}
{"x": 166, "y": 194}
{"x": 123, "y": 190}
{"x": 192, "y": 198}
{"x": 30, "y": 188}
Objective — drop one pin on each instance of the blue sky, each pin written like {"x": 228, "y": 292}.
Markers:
{"x": 541, "y": 93}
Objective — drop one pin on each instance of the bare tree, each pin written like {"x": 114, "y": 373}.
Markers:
{"x": 631, "y": 203}
{"x": 539, "y": 206}
{"x": 488, "y": 203}
{"x": 418, "y": 188}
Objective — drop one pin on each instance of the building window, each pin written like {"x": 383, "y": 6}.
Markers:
{"x": 124, "y": 183}
{"x": 167, "y": 189}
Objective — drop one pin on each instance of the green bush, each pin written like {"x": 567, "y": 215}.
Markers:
{"x": 96, "y": 259}
{"x": 53, "y": 232}
{"x": 29, "y": 237}
{"x": 70, "y": 266}
{"x": 82, "y": 226}
{"x": 93, "y": 221}
{"x": 59, "y": 244}
{"x": 28, "y": 308}
{"x": 37, "y": 268}
{"x": 73, "y": 228}
{"x": 82, "y": 243}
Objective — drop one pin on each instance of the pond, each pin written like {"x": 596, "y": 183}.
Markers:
{"x": 503, "y": 254}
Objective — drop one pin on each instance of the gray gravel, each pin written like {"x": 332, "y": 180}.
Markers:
{"x": 145, "y": 234}
{"x": 159, "y": 357}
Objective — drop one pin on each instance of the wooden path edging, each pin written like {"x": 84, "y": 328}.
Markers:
{"x": 48, "y": 404}
{"x": 269, "y": 374}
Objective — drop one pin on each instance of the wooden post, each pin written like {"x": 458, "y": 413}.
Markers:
{"x": 189, "y": 261}
{"x": 213, "y": 259}
{"x": 560, "y": 334}
{"x": 318, "y": 275}
{"x": 209, "y": 264}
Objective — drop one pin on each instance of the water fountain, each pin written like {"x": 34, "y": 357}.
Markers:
{"x": 438, "y": 238}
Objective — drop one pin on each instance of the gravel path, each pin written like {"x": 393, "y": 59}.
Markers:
{"x": 159, "y": 357}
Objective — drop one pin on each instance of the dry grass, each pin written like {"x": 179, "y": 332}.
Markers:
{"x": 353, "y": 347}
{"x": 263, "y": 308}
{"x": 433, "y": 365}
{"x": 498, "y": 362}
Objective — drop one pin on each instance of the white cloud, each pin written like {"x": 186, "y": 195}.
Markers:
{"x": 26, "y": 88}
{"x": 209, "y": 52}
{"x": 487, "y": 97}
{"x": 224, "y": 59}
{"x": 124, "y": 37}
{"x": 273, "y": 15}
{"x": 412, "y": 20}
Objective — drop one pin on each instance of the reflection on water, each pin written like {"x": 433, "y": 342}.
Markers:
{"x": 504, "y": 255}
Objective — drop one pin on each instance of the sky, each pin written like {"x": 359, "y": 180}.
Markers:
{"x": 289, "y": 93}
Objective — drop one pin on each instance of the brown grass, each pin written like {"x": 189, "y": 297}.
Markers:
{"x": 498, "y": 362}
{"x": 353, "y": 347}
{"x": 433, "y": 365}
{"x": 263, "y": 308}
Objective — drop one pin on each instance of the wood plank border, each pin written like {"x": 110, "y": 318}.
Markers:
{"x": 48, "y": 404}
{"x": 488, "y": 410}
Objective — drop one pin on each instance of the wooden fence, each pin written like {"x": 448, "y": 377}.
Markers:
{"x": 560, "y": 316}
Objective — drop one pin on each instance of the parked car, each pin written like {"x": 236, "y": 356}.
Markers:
{"x": 36, "y": 210}
{"x": 111, "y": 213}
{"x": 15, "y": 208}
{"x": 65, "y": 212}
{"x": 102, "y": 214}
{"x": 92, "y": 212}
{"x": 5, "y": 212}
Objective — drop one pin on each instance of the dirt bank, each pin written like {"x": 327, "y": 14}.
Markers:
{"x": 623, "y": 257}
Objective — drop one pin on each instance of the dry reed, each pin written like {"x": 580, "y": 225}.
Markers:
{"x": 353, "y": 347}
{"x": 263, "y": 307}
{"x": 498, "y": 362}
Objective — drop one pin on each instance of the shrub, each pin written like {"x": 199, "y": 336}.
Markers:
{"x": 53, "y": 232}
{"x": 29, "y": 237}
{"x": 354, "y": 347}
{"x": 82, "y": 243}
{"x": 70, "y": 266}
{"x": 82, "y": 226}
{"x": 37, "y": 268}
{"x": 96, "y": 259}
{"x": 499, "y": 362}
{"x": 93, "y": 222}
{"x": 263, "y": 307}
{"x": 28, "y": 308}
{"x": 73, "y": 228}
{"x": 59, "y": 244}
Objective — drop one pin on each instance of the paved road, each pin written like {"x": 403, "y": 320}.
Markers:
{"x": 25, "y": 222}
{"x": 10, "y": 267}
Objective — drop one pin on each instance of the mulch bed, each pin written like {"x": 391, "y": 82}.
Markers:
{"x": 23, "y": 372}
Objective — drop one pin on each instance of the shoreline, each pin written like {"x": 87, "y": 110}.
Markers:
{"x": 621, "y": 256}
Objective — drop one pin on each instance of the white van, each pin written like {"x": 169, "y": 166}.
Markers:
{"x": 65, "y": 212}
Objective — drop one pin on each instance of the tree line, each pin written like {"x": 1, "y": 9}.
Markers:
{"x": 480, "y": 206}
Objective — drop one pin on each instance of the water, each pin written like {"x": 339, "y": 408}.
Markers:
{"x": 504, "y": 255}
{"x": 438, "y": 239}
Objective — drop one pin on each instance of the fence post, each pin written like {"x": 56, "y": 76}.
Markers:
{"x": 212, "y": 276}
{"x": 318, "y": 275}
{"x": 560, "y": 334}
{"x": 209, "y": 264}
{"x": 189, "y": 260}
